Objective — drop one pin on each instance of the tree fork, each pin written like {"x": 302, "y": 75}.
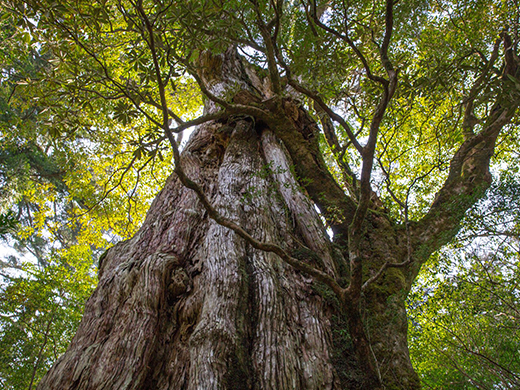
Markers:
{"x": 129, "y": 269}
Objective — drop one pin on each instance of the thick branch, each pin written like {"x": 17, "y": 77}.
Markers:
{"x": 355, "y": 228}
{"x": 469, "y": 175}
{"x": 389, "y": 26}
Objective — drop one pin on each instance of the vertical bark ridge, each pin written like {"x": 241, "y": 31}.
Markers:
{"x": 118, "y": 338}
{"x": 286, "y": 351}
{"x": 275, "y": 347}
{"x": 306, "y": 217}
{"x": 219, "y": 335}
{"x": 254, "y": 328}
{"x": 316, "y": 328}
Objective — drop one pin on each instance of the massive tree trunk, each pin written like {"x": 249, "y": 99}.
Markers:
{"x": 188, "y": 304}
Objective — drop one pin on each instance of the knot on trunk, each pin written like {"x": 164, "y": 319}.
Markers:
{"x": 179, "y": 283}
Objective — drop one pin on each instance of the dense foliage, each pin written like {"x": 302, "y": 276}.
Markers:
{"x": 63, "y": 201}
{"x": 464, "y": 308}
{"x": 39, "y": 313}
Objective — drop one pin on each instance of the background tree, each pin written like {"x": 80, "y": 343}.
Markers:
{"x": 39, "y": 313}
{"x": 60, "y": 208}
{"x": 464, "y": 310}
{"x": 232, "y": 280}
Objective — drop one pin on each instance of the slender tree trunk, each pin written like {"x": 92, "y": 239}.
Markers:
{"x": 187, "y": 304}
{"x": 40, "y": 352}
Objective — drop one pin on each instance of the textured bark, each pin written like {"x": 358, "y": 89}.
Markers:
{"x": 187, "y": 304}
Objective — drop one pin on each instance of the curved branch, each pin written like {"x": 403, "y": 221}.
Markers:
{"x": 269, "y": 46}
{"x": 469, "y": 118}
{"x": 469, "y": 175}
{"x": 349, "y": 176}
{"x": 378, "y": 274}
{"x": 268, "y": 247}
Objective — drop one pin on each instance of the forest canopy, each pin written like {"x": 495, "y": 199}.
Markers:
{"x": 399, "y": 124}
